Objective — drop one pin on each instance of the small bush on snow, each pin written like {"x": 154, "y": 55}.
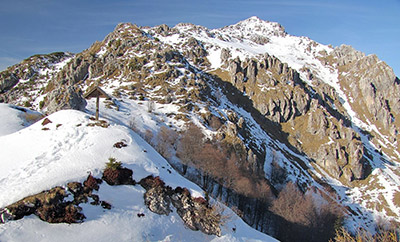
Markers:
{"x": 113, "y": 164}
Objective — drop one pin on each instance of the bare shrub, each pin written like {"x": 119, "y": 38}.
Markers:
{"x": 166, "y": 140}
{"x": 244, "y": 186}
{"x": 212, "y": 160}
{"x": 232, "y": 171}
{"x": 148, "y": 136}
{"x": 72, "y": 214}
{"x": 120, "y": 176}
{"x": 133, "y": 125}
{"x": 190, "y": 145}
{"x": 263, "y": 191}
{"x": 218, "y": 212}
{"x": 314, "y": 222}
{"x": 92, "y": 183}
{"x": 390, "y": 234}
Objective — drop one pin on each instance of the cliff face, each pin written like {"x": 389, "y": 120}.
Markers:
{"x": 373, "y": 90}
{"x": 327, "y": 116}
{"x": 307, "y": 113}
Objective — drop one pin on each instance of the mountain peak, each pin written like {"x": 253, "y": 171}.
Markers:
{"x": 254, "y": 26}
{"x": 254, "y": 19}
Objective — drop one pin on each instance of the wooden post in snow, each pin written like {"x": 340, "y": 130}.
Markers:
{"x": 97, "y": 92}
{"x": 97, "y": 106}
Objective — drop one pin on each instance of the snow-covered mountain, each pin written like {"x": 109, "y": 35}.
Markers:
{"x": 288, "y": 108}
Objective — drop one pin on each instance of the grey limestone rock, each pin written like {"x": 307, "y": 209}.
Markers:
{"x": 65, "y": 97}
{"x": 196, "y": 213}
{"x": 157, "y": 200}
{"x": 347, "y": 54}
{"x": 7, "y": 81}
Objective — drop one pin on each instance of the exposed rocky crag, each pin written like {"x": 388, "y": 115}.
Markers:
{"x": 30, "y": 69}
{"x": 65, "y": 97}
{"x": 53, "y": 206}
{"x": 30, "y": 84}
{"x": 196, "y": 213}
{"x": 280, "y": 95}
{"x": 374, "y": 92}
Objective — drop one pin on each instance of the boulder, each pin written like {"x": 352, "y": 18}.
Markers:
{"x": 119, "y": 176}
{"x": 157, "y": 200}
{"x": 196, "y": 213}
{"x": 92, "y": 183}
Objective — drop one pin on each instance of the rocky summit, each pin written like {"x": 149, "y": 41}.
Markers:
{"x": 289, "y": 110}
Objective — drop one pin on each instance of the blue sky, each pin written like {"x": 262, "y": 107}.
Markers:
{"x": 31, "y": 27}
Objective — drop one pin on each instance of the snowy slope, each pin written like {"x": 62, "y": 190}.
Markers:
{"x": 16, "y": 118}
{"x": 43, "y": 156}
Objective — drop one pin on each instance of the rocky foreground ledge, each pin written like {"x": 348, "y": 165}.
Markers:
{"x": 61, "y": 204}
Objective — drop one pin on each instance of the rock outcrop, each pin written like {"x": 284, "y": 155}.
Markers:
{"x": 196, "y": 213}
{"x": 119, "y": 176}
{"x": 318, "y": 128}
{"x": 25, "y": 80}
{"x": 7, "y": 81}
{"x": 374, "y": 93}
{"x": 276, "y": 89}
{"x": 49, "y": 206}
{"x": 55, "y": 205}
{"x": 65, "y": 97}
